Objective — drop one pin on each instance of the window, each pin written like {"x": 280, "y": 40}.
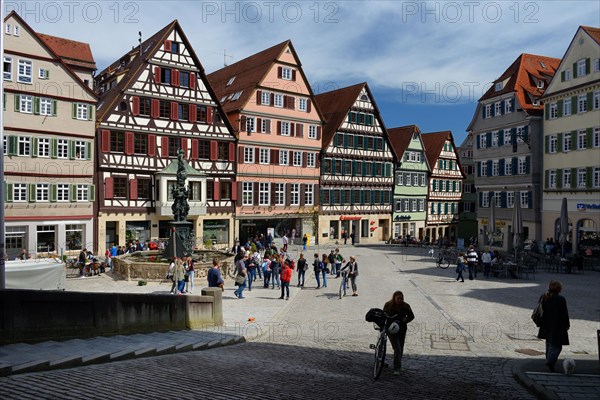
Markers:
{"x": 286, "y": 73}
{"x": 495, "y": 168}
{"x": 120, "y": 187}
{"x": 80, "y": 150}
{"x": 421, "y": 206}
{"x": 568, "y": 74}
{"x": 422, "y": 179}
{"x": 552, "y": 179}
{"x": 596, "y": 138}
{"x": 42, "y": 192}
{"x": 596, "y": 100}
{"x": 117, "y": 141}
{"x": 552, "y": 144}
{"x": 140, "y": 143}
{"x": 525, "y": 199}
{"x": 184, "y": 79}
{"x": 498, "y": 108}
{"x": 183, "y": 112}
{"x": 265, "y": 98}
{"x": 263, "y": 194}
{"x": 482, "y": 141}
{"x": 297, "y": 158}
{"x": 230, "y": 81}
{"x": 400, "y": 179}
{"x": 522, "y": 165}
{"x": 498, "y": 199}
{"x": 295, "y": 194}
{"x": 494, "y": 139}
{"x": 581, "y": 67}
{"x": 25, "y": 71}
{"x": 498, "y": 87}
{"x": 311, "y": 160}
{"x": 483, "y": 169}
{"x": 488, "y": 110}
{"x": 597, "y": 65}
{"x": 43, "y": 73}
{"x": 248, "y": 155}
{"x": 443, "y": 186}
{"x": 581, "y": 177}
{"x": 285, "y": 128}
{"x": 247, "y": 193}
{"x": 302, "y": 104}
{"x": 408, "y": 180}
{"x": 144, "y": 187}
{"x": 566, "y": 178}
{"x": 415, "y": 179}
{"x": 62, "y": 148}
{"x": 62, "y": 192}
{"x": 507, "y": 136}
{"x": 7, "y": 68}
{"x": 173, "y": 146}
{"x": 82, "y": 193}
{"x": 553, "y": 110}
{"x": 24, "y": 145}
{"x": 26, "y": 105}
{"x": 596, "y": 181}
{"x": 485, "y": 199}
{"x": 43, "y": 149}
{"x": 82, "y": 111}
{"x": 581, "y": 139}
{"x": 566, "y": 141}
{"x": 250, "y": 124}
{"x": 164, "y": 109}
{"x": 520, "y": 133}
{"x": 8, "y": 32}
{"x": 264, "y": 154}
{"x": 45, "y": 106}
{"x": 582, "y": 103}
{"x": 165, "y": 75}
{"x": 567, "y": 107}
{"x": 507, "y": 106}
{"x": 19, "y": 192}
{"x": 283, "y": 157}
{"x": 265, "y": 126}
{"x": 309, "y": 198}
{"x": 174, "y": 47}
{"x": 510, "y": 199}
{"x": 280, "y": 194}
{"x": 278, "y": 100}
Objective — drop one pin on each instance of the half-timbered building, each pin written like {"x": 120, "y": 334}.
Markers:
{"x": 49, "y": 107}
{"x": 445, "y": 186}
{"x": 154, "y": 101}
{"x": 268, "y": 100}
{"x": 356, "y": 168}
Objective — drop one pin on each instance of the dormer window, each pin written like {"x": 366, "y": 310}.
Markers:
{"x": 542, "y": 64}
{"x": 174, "y": 47}
{"x": 499, "y": 86}
{"x": 236, "y": 96}
{"x": 223, "y": 99}
{"x": 535, "y": 102}
{"x": 286, "y": 73}
{"x": 540, "y": 84}
{"x": 230, "y": 81}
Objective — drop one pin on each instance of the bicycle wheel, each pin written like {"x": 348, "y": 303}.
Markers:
{"x": 341, "y": 288}
{"x": 444, "y": 263}
{"x": 379, "y": 355}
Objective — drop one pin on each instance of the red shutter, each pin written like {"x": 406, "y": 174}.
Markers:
{"x": 272, "y": 99}
{"x": 292, "y": 103}
{"x": 151, "y": 145}
{"x": 274, "y": 159}
{"x": 256, "y": 155}
{"x": 308, "y": 105}
{"x": 168, "y": 46}
{"x": 157, "y": 74}
{"x": 109, "y": 188}
{"x": 231, "y": 151}
{"x": 234, "y": 191}
{"x": 129, "y": 143}
{"x": 258, "y": 97}
{"x": 192, "y": 80}
{"x": 279, "y": 127}
{"x": 209, "y": 115}
{"x": 299, "y": 130}
{"x": 292, "y": 130}
{"x": 258, "y": 124}
{"x": 164, "y": 150}
{"x": 318, "y": 133}
{"x": 133, "y": 189}
{"x": 304, "y": 159}
{"x": 213, "y": 150}
{"x": 184, "y": 147}
{"x": 194, "y": 155}
{"x": 217, "y": 190}
{"x": 193, "y": 113}
{"x": 243, "y": 125}
{"x": 135, "y": 105}
{"x": 240, "y": 154}
{"x": 155, "y": 108}
{"x": 239, "y": 190}
{"x": 294, "y": 75}
{"x": 279, "y": 72}
{"x": 174, "y": 110}
{"x": 316, "y": 194}
{"x": 268, "y": 126}
{"x": 285, "y": 101}
{"x": 174, "y": 77}
{"x": 105, "y": 145}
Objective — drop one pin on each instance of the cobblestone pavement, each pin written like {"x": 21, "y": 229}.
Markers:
{"x": 464, "y": 343}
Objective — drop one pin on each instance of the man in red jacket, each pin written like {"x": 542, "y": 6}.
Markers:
{"x": 286, "y": 277}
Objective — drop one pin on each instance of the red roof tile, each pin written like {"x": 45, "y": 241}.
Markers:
{"x": 73, "y": 53}
{"x": 401, "y": 137}
{"x": 593, "y": 32}
{"x": 520, "y": 80}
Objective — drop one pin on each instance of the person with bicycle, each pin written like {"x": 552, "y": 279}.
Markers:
{"x": 397, "y": 333}
{"x": 352, "y": 268}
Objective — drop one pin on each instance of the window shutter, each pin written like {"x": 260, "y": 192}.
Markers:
{"x": 279, "y": 127}
{"x": 488, "y": 139}
{"x": 88, "y": 150}
{"x": 589, "y": 138}
{"x": 304, "y": 159}
{"x": 559, "y": 106}
{"x": 157, "y": 74}
{"x": 288, "y": 194}
{"x": 574, "y": 105}
{"x": 192, "y": 80}
{"x": 588, "y": 65}
{"x": 109, "y": 187}
{"x": 216, "y": 190}
{"x": 562, "y": 76}
{"x": 560, "y": 147}
{"x": 74, "y": 110}
{"x": 174, "y": 111}
{"x": 90, "y": 115}
{"x": 243, "y": 124}
{"x": 129, "y": 143}
{"x": 299, "y": 130}
{"x": 501, "y": 166}
{"x": 209, "y": 115}
{"x": 151, "y": 145}
{"x": 256, "y": 155}
{"x": 573, "y": 140}
{"x": 483, "y": 111}
{"x": 164, "y": 148}
{"x": 573, "y": 177}
{"x": 234, "y": 191}
{"x": 168, "y": 46}
{"x": 192, "y": 113}
{"x": 515, "y": 165}
{"x": 154, "y": 108}
{"x": 54, "y": 107}
{"x": 135, "y": 105}
{"x": 547, "y": 179}
{"x": 239, "y": 193}
{"x": 32, "y": 192}
{"x": 17, "y": 103}
{"x": 184, "y": 147}
{"x": 213, "y": 150}
{"x": 274, "y": 157}
{"x": 91, "y": 192}
{"x": 318, "y": 133}
{"x": 175, "y": 77}
{"x": 231, "y": 151}
{"x": 489, "y": 168}
{"x": 294, "y": 71}
{"x": 546, "y": 144}
{"x": 273, "y": 193}
{"x": 194, "y": 152}
{"x": 500, "y": 138}
{"x": 34, "y": 147}
{"x": 36, "y": 105}
{"x": 574, "y": 70}
{"x": 53, "y": 193}
{"x": 478, "y": 141}
{"x": 559, "y": 178}
{"x": 530, "y": 197}
{"x": 279, "y": 72}
{"x": 589, "y": 172}
{"x": 240, "y": 154}
{"x": 526, "y": 133}
{"x": 133, "y": 189}
{"x": 71, "y": 149}
{"x": 258, "y": 97}
{"x": 53, "y": 148}
{"x": 546, "y": 111}
{"x": 590, "y": 100}
{"x": 8, "y": 192}
{"x": 272, "y": 99}
{"x": 480, "y": 199}
{"x": 308, "y": 106}
{"x": 292, "y": 129}
{"x": 255, "y": 193}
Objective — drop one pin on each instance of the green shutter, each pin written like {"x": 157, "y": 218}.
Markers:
{"x": 388, "y": 170}
{"x": 562, "y": 76}
{"x": 73, "y": 193}
{"x": 559, "y": 104}
{"x": 546, "y": 144}
{"x": 559, "y": 178}
{"x": 88, "y": 150}
{"x": 12, "y": 145}
{"x": 54, "y": 107}
{"x": 356, "y": 141}
{"x": 364, "y": 168}
{"x": 17, "y": 102}
{"x": 573, "y": 140}
{"x": 91, "y": 192}
{"x": 36, "y": 105}
{"x": 573, "y": 177}
{"x": 589, "y": 171}
{"x": 74, "y": 110}
{"x": 90, "y": 112}
{"x": 53, "y": 192}
{"x": 8, "y": 192}
{"x": 343, "y": 167}
{"x": 53, "y": 148}
{"x": 574, "y": 70}
{"x": 47, "y": 74}
{"x": 32, "y": 193}
{"x": 71, "y": 149}
{"x": 589, "y": 138}
{"x": 590, "y": 101}
{"x": 34, "y": 147}
{"x": 547, "y": 179}
{"x": 559, "y": 145}
{"x": 588, "y": 66}
{"x": 546, "y": 111}
{"x": 574, "y": 105}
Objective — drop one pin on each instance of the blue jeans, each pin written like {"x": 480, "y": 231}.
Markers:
{"x": 275, "y": 278}
{"x": 552, "y": 352}
{"x": 180, "y": 285}
{"x": 301, "y": 275}
{"x": 324, "y": 273}
{"x": 285, "y": 286}
{"x": 240, "y": 290}
{"x": 267, "y": 275}
{"x": 338, "y": 268}
{"x": 251, "y": 276}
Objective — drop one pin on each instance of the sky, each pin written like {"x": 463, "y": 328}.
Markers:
{"x": 427, "y": 63}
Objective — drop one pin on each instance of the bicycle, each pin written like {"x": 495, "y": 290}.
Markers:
{"x": 381, "y": 321}
{"x": 343, "y": 284}
{"x": 445, "y": 258}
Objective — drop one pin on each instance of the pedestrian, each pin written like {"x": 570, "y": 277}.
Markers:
{"x": 339, "y": 260}
{"x": 304, "y": 241}
{"x": 275, "y": 271}
{"x": 486, "y": 259}
{"x": 285, "y": 243}
{"x": 460, "y": 266}
{"x": 257, "y": 263}
{"x": 302, "y": 268}
{"x": 344, "y": 236}
{"x": 241, "y": 271}
{"x": 472, "y": 262}
{"x": 352, "y": 236}
{"x": 214, "y": 277}
{"x": 331, "y": 262}
{"x": 179, "y": 276}
{"x": 397, "y": 306}
{"x": 171, "y": 274}
{"x": 324, "y": 268}
{"x": 555, "y": 323}
{"x": 189, "y": 284}
{"x": 317, "y": 267}
{"x": 352, "y": 268}
{"x": 286, "y": 277}
{"x": 251, "y": 268}
{"x": 266, "y": 268}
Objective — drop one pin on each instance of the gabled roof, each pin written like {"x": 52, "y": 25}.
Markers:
{"x": 73, "y": 53}
{"x": 520, "y": 80}
{"x": 401, "y": 137}
{"x": 335, "y": 106}
{"x": 52, "y": 51}
{"x": 593, "y": 32}
{"x": 434, "y": 142}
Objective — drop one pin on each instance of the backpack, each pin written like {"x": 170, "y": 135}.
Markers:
{"x": 538, "y": 313}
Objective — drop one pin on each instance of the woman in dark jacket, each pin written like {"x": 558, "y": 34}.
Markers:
{"x": 404, "y": 315}
{"x": 555, "y": 323}
{"x": 352, "y": 268}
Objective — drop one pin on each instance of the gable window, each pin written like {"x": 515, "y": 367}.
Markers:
{"x": 183, "y": 112}
{"x": 203, "y": 149}
{"x": 567, "y": 107}
{"x": 498, "y": 87}
{"x": 283, "y": 157}
{"x": 24, "y": 145}
{"x": 145, "y": 106}
{"x": 43, "y": 73}
{"x": 566, "y": 141}
{"x": 568, "y": 74}
{"x": 312, "y": 131}
{"x": 184, "y": 79}
{"x": 248, "y": 155}
{"x": 140, "y": 145}
{"x": 553, "y": 110}
{"x": 26, "y": 105}
{"x": 278, "y": 100}
{"x": 25, "y": 71}
{"x": 264, "y": 154}
{"x": 311, "y": 160}
{"x": 82, "y": 111}
{"x": 498, "y": 108}
{"x": 302, "y": 104}
{"x": 507, "y": 106}
{"x": 117, "y": 141}
{"x": 581, "y": 67}
{"x": 552, "y": 144}
{"x": 7, "y": 68}
{"x": 482, "y": 141}
{"x": 265, "y": 98}
{"x": 230, "y": 81}
{"x": 286, "y": 73}
{"x": 165, "y": 75}
{"x": 174, "y": 47}
{"x": 164, "y": 109}
{"x": 264, "y": 194}
{"x": 597, "y": 65}
{"x": 223, "y": 152}
{"x": 488, "y": 110}
{"x": 582, "y": 103}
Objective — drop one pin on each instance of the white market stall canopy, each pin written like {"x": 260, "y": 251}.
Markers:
{"x": 46, "y": 274}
